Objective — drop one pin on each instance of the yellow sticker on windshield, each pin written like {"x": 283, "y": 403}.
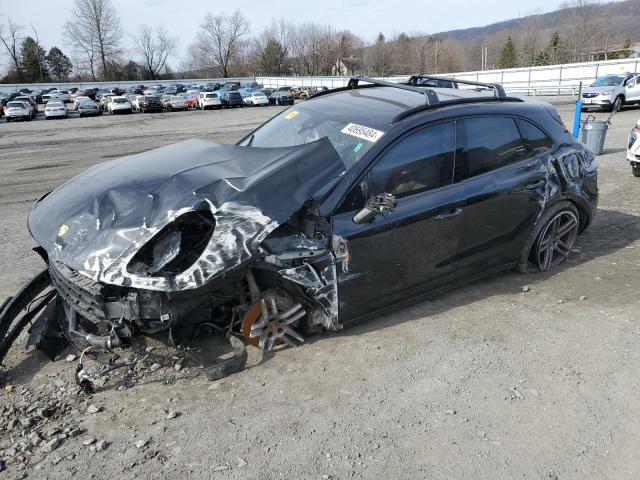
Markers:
{"x": 291, "y": 115}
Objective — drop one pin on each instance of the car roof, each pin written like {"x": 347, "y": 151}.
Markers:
{"x": 378, "y": 106}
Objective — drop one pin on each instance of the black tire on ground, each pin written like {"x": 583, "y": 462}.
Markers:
{"x": 551, "y": 239}
{"x": 618, "y": 103}
{"x": 635, "y": 170}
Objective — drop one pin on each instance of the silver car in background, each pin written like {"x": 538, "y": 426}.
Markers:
{"x": 89, "y": 108}
{"x": 18, "y": 111}
{"x": 612, "y": 92}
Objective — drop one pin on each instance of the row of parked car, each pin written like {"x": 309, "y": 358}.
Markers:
{"x": 23, "y": 105}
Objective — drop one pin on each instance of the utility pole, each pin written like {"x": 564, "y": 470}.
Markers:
{"x": 435, "y": 60}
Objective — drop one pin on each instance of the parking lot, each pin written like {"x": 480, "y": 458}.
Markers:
{"x": 518, "y": 376}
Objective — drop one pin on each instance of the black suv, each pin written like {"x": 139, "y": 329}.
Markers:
{"x": 232, "y": 98}
{"x": 357, "y": 201}
{"x": 151, "y": 104}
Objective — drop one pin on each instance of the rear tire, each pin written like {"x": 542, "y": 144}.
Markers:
{"x": 635, "y": 170}
{"x": 552, "y": 238}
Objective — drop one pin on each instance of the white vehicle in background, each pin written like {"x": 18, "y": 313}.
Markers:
{"x": 106, "y": 98}
{"x": 52, "y": 95}
{"x": 633, "y": 150}
{"x": 193, "y": 90}
{"x": 209, "y": 100}
{"x": 256, "y": 99}
{"x": 152, "y": 92}
{"x": 119, "y": 105}
{"x": 136, "y": 102}
{"x": 18, "y": 111}
{"x": 55, "y": 109}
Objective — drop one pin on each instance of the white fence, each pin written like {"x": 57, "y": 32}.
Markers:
{"x": 547, "y": 80}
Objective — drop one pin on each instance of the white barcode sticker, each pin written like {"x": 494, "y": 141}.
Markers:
{"x": 365, "y": 133}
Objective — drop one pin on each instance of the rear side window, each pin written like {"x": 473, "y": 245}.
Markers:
{"x": 421, "y": 161}
{"x": 491, "y": 143}
{"x": 535, "y": 140}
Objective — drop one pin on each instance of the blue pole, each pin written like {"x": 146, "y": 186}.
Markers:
{"x": 576, "y": 115}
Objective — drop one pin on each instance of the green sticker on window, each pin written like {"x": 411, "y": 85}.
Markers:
{"x": 358, "y": 147}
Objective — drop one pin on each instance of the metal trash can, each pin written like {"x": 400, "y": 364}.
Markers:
{"x": 593, "y": 133}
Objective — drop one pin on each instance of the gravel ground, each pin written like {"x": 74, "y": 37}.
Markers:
{"x": 493, "y": 380}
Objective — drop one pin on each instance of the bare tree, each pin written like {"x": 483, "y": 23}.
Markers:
{"x": 315, "y": 48}
{"x": 531, "y": 37}
{"x": 154, "y": 46}
{"x": 95, "y": 32}
{"x": 221, "y": 39}
{"x": 378, "y": 59}
{"x": 11, "y": 38}
{"x": 581, "y": 26}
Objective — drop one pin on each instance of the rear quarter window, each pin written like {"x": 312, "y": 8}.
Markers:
{"x": 490, "y": 143}
{"x": 536, "y": 142}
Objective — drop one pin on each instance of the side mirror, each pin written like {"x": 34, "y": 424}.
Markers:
{"x": 375, "y": 206}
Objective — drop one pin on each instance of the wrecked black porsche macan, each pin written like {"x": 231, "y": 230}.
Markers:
{"x": 355, "y": 202}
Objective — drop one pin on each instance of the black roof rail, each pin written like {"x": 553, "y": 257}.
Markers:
{"x": 354, "y": 82}
{"x": 498, "y": 90}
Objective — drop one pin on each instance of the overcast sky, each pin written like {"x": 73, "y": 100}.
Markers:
{"x": 363, "y": 17}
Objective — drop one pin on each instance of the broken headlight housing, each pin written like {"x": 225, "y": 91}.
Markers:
{"x": 176, "y": 247}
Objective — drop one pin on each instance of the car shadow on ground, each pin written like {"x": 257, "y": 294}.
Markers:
{"x": 609, "y": 232}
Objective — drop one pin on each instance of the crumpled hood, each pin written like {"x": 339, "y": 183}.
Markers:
{"x": 97, "y": 221}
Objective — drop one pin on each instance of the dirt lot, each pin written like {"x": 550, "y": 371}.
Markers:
{"x": 489, "y": 381}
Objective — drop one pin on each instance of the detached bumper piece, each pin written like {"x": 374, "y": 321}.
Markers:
{"x": 20, "y": 311}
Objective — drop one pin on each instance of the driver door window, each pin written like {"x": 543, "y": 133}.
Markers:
{"x": 423, "y": 160}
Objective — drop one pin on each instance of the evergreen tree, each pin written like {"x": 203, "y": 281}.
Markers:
{"x": 59, "y": 64}
{"x": 508, "y": 56}
{"x": 273, "y": 58}
{"x": 33, "y": 61}
{"x": 554, "y": 53}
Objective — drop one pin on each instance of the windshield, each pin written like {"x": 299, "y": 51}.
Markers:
{"x": 301, "y": 125}
{"x": 211, "y": 95}
{"x": 15, "y": 105}
{"x": 608, "y": 81}
{"x": 120, "y": 100}
{"x": 54, "y": 105}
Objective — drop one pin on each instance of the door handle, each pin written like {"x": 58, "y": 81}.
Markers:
{"x": 451, "y": 214}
